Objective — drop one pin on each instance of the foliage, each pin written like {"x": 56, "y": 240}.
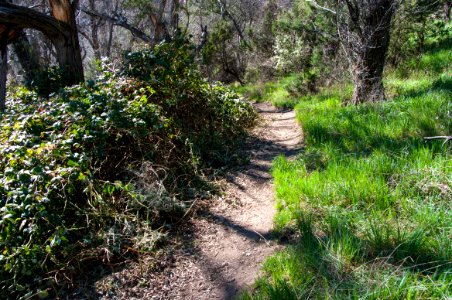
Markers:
{"x": 416, "y": 25}
{"x": 222, "y": 56}
{"x": 209, "y": 115}
{"x": 305, "y": 43}
{"x": 368, "y": 199}
{"x": 90, "y": 170}
{"x": 284, "y": 92}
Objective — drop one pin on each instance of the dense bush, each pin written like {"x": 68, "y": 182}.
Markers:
{"x": 88, "y": 172}
{"x": 306, "y": 43}
{"x": 417, "y": 24}
{"x": 209, "y": 115}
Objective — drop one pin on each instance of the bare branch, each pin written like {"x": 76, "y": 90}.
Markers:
{"x": 440, "y": 137}
{"x": 225, "y": 13}
{"x": 316, "y": 5}
{"x": 122, "y": 22}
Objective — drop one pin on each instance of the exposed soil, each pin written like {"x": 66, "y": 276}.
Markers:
{"x": 222, "y": 247}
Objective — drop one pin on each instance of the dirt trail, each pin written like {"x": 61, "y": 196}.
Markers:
{"x": 233, "y": 237}
{"x": 225, "y": 244}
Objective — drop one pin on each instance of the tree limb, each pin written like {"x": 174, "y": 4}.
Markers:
{"x": 23, "y": 17}
{"x": 226, "y": 13}
{"x": 121, "y": 22}
{"x": 440, "y": 137}
{"x": 316, "y": 5}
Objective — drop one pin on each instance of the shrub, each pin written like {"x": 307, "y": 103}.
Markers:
{"x": 209, "y": 115}
{"x": 93, "y": 167}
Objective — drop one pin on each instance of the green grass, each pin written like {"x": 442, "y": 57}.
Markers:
{"x": 369, "y": 200}
{"x": 280, "y": 93}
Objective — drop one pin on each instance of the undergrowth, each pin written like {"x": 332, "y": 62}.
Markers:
{"x": 284, "y": 93}
{"x": 368, "y": 199}
{"x": 91, "y": 173}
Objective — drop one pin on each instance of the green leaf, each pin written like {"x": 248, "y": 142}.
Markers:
{"x": 43, "y": 294}
{"x": 72, "y": 163}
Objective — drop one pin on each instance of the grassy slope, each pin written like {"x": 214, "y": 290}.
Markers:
{"x": 369, "y": 198}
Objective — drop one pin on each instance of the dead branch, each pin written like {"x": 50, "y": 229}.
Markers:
{"x": 446, "y": 138}
{"x": 315, "y": 4}
{"x": 121, "y": 21}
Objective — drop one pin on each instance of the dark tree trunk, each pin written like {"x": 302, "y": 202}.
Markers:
{"x": 3, "y": 68}
{"x": 368, "y": 72}
{"x": 174, "y": 9}
{"x": 60, "y": 29}
{"x": 447, "y": 8}
{"x": 28, "y": 59}
{"x": 109, "y": 44}
{"x": 370, "y": 23}
{"x": 3, "y": 64}
{"x": 68, "y": 48}
{"x": 160, "y": 26}
{"x": 94, "y": 24}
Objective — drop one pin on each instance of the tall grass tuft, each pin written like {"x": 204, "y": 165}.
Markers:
{"x": 369, "y": 197}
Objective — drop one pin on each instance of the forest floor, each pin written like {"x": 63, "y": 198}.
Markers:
{"x": 221, "y": 248}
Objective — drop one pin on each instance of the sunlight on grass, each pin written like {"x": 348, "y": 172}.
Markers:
{"x": 280, "y": 93}
{"x": 368, "y": 198}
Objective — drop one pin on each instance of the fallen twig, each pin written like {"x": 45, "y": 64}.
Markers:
{"x": 440, "y": 137}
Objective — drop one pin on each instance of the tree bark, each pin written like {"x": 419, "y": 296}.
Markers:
{"x": 68, "y": 49}
{"x": 60, "y": 29}
{"x": 368, "y": 42}
{"x": 3, "y": 68}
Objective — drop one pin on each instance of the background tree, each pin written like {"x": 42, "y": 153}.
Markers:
{"x": 228, "y": 50}
{"x": 29, "y": 59}
{"x": 68, "y": 48}
{"x": 162, "y": 17}
{"x": 364, "y": 28}
{"x": 238, "y": 41}
{"x": 306, "y": 44}
{"x": 413, "y": 23}
{"x": 60, "y": 28}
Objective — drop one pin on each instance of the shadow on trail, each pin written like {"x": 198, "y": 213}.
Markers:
{"x": 241, "y": 230}
{"x": 256, "y": 236}
{"x": 272, "y": 110}
{"x": 261, "y": 162}
{"x": 262, "y": 151}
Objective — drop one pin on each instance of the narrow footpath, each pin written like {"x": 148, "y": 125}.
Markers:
{"x": 222, "y": 252}
{"x": 233, "y": 237}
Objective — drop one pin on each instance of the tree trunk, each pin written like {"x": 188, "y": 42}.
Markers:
{"x": 68, "y": 48}
{"x": 368, "y": 72}
{"x": 94, "y": 24}
{"x": 447, "y": 8}
{"x": 158, "y": 21}
{"x": 60, "y": 29}
{"x": 174, "y": 9}
{"x": 109, "y": 44}
{"x": 3, "y": 64}
{"x": 3, "y": 68}
{"x": 371, "y": 24}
